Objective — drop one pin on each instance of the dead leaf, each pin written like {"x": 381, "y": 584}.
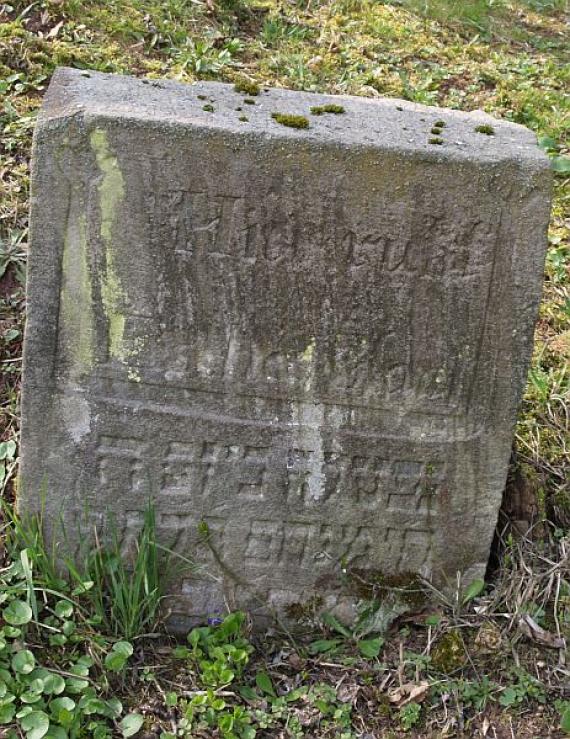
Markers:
{"x": 489, "y": 637}
{"x": 408, "y": 692}
{"x": 347, "y": 693}
{"x": 536, "y": 633}
{"x": 55, "y": 30}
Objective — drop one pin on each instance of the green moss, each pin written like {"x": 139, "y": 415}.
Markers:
{"x": 435, "y": 140}
{"x": 486, "y": 129}
{"x": 247, "y": 87}
{"x": 440, "y": 124}
{"x": 243, "y": 119}
{"x": 375, "y": 585}
{"x": 111, "y": 193}
{"x": 305, "y": 611}
{"x": 202, "y": 97}
{"x": 208, "y": 108}
{"x": 249, "y": 101}
{"x": 291, "y": 120}
{"x": 448, "y": 654}
{"x": 329, "y": 108}
{"x": 436, "y": 130}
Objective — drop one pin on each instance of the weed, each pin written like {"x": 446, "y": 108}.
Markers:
{"x": 13, "y": 254}
{"x": 409, "y": 715}
{"x": 126, "y": 593}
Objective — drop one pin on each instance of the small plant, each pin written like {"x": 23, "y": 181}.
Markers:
{"x": 435, "y": 140}
{"x": 13, "y": 254}
{"x": 329, "y": 108}
{"x": 525, "y": 688}
{"x": 209, "y": 108}
{"x": 291, "y": 120}
{"x": 486, "y": 129}
{"x": 436, "y": 130}
{"x": 7, "y": 459}
{"x": 243, "y": 119}
{"x": 249, "y": 101}
{"x": 409, "y": 715}
{"x": 369, "y": 648}
{"x": 440, "y": 124}
{"x": 63, "y": 696}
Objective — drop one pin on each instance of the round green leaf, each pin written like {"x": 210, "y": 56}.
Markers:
{"x": 56, "y": 732}
{"x": 23, "y": 662}
{"x": 35, "y": 724}
{"x": 63, "y": 609}
{"x": 7, "y": 713}
{"x": 17, "y": 613}
{"x": 131, "y": 724}
{"x": 53, "y": 684}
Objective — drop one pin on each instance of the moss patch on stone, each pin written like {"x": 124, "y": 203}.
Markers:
{"x": 329, "y": 108}
{"x": 291, "y": 120}
{"x": 247, "y": 87}
{"x": 486, "y": 129}
{"x": 371, "y": 584}
{"x": 435, "y": 140}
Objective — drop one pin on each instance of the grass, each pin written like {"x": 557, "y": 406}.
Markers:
{"x": 509, "y": 58}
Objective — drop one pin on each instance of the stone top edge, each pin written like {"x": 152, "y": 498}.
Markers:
{"x": 381, "y": 123}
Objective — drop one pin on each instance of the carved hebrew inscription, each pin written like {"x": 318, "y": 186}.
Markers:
{"x": 196, "y": 477}
{"x": 219, "y": 324}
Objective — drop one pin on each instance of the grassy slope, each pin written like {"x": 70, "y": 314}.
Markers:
{"x": 507, "y": 58}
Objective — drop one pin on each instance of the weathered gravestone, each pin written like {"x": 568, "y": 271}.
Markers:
{"x": 309, "y": 342}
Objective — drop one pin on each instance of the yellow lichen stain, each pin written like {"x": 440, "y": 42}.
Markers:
{"x": 308, "y": 354}
{"x": 76, "y": 307}
{"x": 111, "y": 193}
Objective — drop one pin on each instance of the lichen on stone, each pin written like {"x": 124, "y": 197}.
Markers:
{"x": 111, "y": 193}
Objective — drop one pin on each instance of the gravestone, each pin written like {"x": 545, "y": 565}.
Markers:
{"x": 306, "y": 346}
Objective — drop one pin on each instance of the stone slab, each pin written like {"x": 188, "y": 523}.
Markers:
{"x": 309, "y": 342}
